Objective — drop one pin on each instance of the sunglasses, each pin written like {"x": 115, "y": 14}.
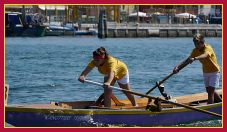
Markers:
{"x": 196, "y": 42}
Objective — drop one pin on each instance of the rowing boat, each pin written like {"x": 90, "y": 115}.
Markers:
{"x": 121, "y": 113}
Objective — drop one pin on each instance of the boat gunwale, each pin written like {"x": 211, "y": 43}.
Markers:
{"x": 104, "y": 111}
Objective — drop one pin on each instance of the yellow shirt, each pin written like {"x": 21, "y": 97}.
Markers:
{"x": 210, "y": 63}
{"x": 111, "y": 64}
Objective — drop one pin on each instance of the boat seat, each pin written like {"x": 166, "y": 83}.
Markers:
{"x": 100, "y": 100}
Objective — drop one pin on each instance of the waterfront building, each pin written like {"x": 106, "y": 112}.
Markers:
{"x": 156, "y": 14}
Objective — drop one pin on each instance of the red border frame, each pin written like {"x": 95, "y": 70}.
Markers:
{"x": 114, "y": 2}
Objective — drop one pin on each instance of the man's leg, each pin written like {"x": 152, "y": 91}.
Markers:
{"x": 211, "y": 82}
{"x": 210, "y": 91}
{"x": 130, "y": 96}
{"x": 108, "y": 93}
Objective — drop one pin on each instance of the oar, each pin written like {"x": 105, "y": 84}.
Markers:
{"x": 181, "y": 66}
{"x": 150, "y": 97}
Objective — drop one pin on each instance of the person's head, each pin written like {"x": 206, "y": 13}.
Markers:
{"x": 99, "y": 56}
{"x": 198, "y": 40}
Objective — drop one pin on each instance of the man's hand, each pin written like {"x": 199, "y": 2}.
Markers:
{"x": 192, "y": 59}
{"x": 106, "y": 85}
{"x": 81, "y": 79}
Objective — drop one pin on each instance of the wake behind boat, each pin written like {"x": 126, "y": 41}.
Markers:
{"x": 121, "y": 113}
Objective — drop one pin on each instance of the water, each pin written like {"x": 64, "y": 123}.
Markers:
{"x": 40, "y": 70}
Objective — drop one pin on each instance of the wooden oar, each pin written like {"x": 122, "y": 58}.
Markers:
{"x": 150, "y": 97}
{"x": 181, "y": 66}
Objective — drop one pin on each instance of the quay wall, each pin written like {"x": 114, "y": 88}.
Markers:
{"x": 119, "y": 30}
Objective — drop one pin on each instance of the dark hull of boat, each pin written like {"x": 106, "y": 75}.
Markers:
{"x": 36, "y": 31}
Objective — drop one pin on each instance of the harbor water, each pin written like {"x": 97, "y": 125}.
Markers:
{"x": 44, "y": 69}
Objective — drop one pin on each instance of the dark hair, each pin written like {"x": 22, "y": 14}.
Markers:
{"x": 100, "y": 52}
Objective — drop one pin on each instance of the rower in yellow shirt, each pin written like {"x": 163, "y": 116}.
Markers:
{"x": 211, "y": 71}
{"x": 113, "y": 70}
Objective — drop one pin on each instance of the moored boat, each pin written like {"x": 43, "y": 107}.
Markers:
{"x": 54, "y": 30}
{"x": 121, "y": 113}
{"x": 31, "y": 26}
{"x": 88, "y": 31}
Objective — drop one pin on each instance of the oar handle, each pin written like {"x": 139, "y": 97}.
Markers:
{"x": 101, "y": 84}
{"x": 180, "y": 67}
{"x": 150, "y": 97}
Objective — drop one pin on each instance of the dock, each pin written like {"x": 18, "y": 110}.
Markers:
{"x": 119, "y": 30}
{"x": 132, "y": 29}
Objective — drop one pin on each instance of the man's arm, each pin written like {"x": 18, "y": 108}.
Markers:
{"x": 84, "y": 74}
{"x": 110, "y": 78}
